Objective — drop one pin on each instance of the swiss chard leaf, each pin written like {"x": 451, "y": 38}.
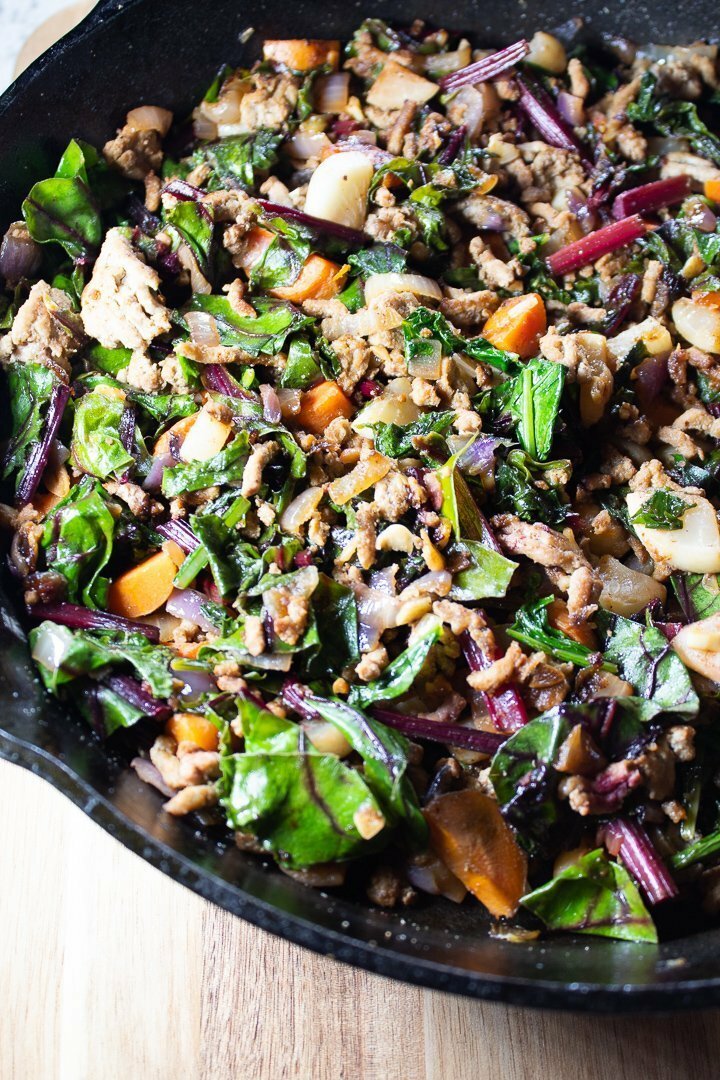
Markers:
{"x": 532, "y": 627}
{"x": 517, "y": 493}
{"x": 488, "y": 575}
{"x": 238, "y": 160}
{"x": 670, "y": 117}
{"x": 109, "y": 361}
{"x": 264, "y": 335}
{"x": 532, "y": 398}
{"x": 336, "y": 617}
{"x": 30, "y": 386}
{"x": 379, "y": 259}
{"x": 302, "y": 368}
{"x": 227, "y": 467}
{"x": 219, "y": 532}
{"x": 698, "y": 595}
{"x": 385, "y": 757}
{"x": 283, "y": 258}
{"x": 78, "y": 542}
{"x": 593, "y": 896}
{"x": 396, "y": 440}
{"x": 96, "y": 447}
{"x": 424, "y": 326}
{"x": 647, "y": 661}
{"x": 192, "y": 223}
{"x": 300, "y": 804}
{"x": 399, "y": 676}
{"x": 62, "y": 209}
{"x": 662, "y": 510}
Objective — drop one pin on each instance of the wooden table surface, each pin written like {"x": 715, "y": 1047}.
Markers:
{"x": 108, "y": 970}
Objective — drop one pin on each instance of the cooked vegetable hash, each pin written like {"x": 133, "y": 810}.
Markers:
{"x": 365, "y": 462}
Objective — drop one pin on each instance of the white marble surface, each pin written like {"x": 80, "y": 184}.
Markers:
{"x": 19, "y": 19}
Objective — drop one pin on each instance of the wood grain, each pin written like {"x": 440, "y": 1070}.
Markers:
{"x": 108, "y": 969}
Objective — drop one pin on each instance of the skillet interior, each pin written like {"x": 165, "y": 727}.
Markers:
{"x": 165, "y": 52}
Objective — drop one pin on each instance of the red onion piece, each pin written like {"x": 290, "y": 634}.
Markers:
{"x": 620, "y": 301}
{"x": 454, "y": 143}
{"x": 150, "y": 775}
{"x": 369, "y": 388}
{"x": 651, "y": 376}
{"x": 506, "y": 708}
{"x": 478, "y": 459}
{"x": 78, "y": 617}
{"x": 538, "y": 106}
{"x": 364, "y": 145}
{"x": 133, "y": 691}
{"x": 635, "y": 849}
{"x": 331, "y": 228}
{"x": 38, "y": 456}
{"x": 153, "y": 480}
{"x": 419, "y": 727}
{"x": 591, "y": 247}
{"x": 218, "y": 379}
{"x": 571, "y": 108}
{"x": 183, "y": 191}
{"x": 271, "y": 404}
{"x": 487, "y": 68}
{"x": 180, "y": 533}
{"x": 188, "y": 604}
{"x": 649, "y": 197}
{"x": 20, "y": 256}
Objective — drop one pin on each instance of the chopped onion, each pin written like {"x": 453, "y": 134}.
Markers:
{"x": 419, "y": 727}
{"x": 427, "y": 366}
{"x": 651, "y": 332}
{"x": 538, "y": 106}
{"x": 185, "y": 192}
{"x": 203, "y": 328}
{"x": 487, "y": 68}
{"x": 204, "y": 128}
{"x": 153, "y": 480}
{"x": 624, "y": 591}
{"x": 20, "y": 256}
{"x": 394, "y": 405}
{"x": 698, "y": 323}
{"x": 290, "y": 401}
{"x": 635, "y": 849}
{"x": 332, "y": 92}
{"x": 304, "y": 145}
{"x": 475, "y": 105}
{"x": 596, "y": 244}
{"x": 417, "y": 284}
{"x": 571, "y": 108}
{"x": 188, "y": 604}
{"x": 377, "y": 612}
{"x": 266, "y": 661}
{"x": 197, "y": 680}
{"x": 272, "y": 411}
{"x": 430, "y": 875}
{"x": 149, "y": 774}
{"x": 301, "y": 509}
{"x": 78, "y": 617}
{"x": 149, "y": 118}
{"x": 650, "y": 197}
{"x": 366, "y": 473}
{"x": 434, "y": 583}
{"x": 219, "y": 380}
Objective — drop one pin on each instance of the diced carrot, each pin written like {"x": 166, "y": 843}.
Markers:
{"x": 559, "y": 619}
{"x": 144, "y": 588}
{"x": 252, "y": 248}
{"x": 319, "y": 279}
{"x": 192, "y": 728}
{"x": 179, "y": 431}
{"x": 712, "y": 190}
{"x": 175, "y": 552}
{"x": 321, "y": 404}
{"x": 44, "y": 503}
{"x": 517, "y": 325}
{"x": 302, "y": 54}
{"x": 188, "y": 649}
{"x": 471, "y": 837}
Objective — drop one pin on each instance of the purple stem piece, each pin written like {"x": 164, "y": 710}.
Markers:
{"x": 78, "y": 617}
{"x": 37, "y": 459}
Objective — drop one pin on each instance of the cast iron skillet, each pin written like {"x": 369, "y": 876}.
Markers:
{"x": 165, "y": 52}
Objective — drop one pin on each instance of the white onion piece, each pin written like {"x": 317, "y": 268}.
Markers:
{"x": 397, "y": 84}
{"x": 427, "y": 367}
{"x": 472, "y": 106}
{"x": 377, "y": 612}
{"x": 439, "y": 64}
{"x": 695, "y": 547}
{"x": 332, "y": 92}
{"x": 187, "y": 604}
{"x": 20, "y": 256}
{"x": 206, "y": 438}
{"x": 301, "y": 509}
{"x": 204, "y": 128}
{"x": 393, "y": 406}
{"x": 290, "y": 401}
{"x": 654, "y": 336}
{"x": 417, "y": 284}
{"x": 698, "y": 324}
{"x": 51, "y": 646}
{"x": 226, "y": 110}
{"x": 547, "y": 52}
{"x": 434, "y": 583}
{"x": 166, "y": 624}
{"x": 266, "y": 661}
{"x": 366, "y": 473}
{"x": 698, "y": 646}
{"x": 271, "y": 404}
{"x": 304, "y": 144}
{"x": 150, "y": 118}
{"x": 432, "y": 876}
{"x": 326, "y": 738}
{"x": 338, "y": 189}
{"x": 203, "y": 328}
{"x": 368, "y": 321}
{"x": 626, "y": 591}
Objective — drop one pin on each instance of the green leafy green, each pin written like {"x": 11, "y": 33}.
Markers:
{"x": 662, "y": 510}
{"x": 302, "y": 368}
{"x": 336, "y": 617}
{"x": 698, "y": 594}
{"x": 192, "y": 223}
{"x": 284, "y": 257}
{"x": 78, "y": 542}
{"x": 62, "y": 209}
{"x": 238, "y": 159}
{"x": 30, "y": 386}
{"x": 671, "y": 117}
{"x": 593, "y": 896}
{"x": 379, "y": 259}
{"x": 385, "y": 757}
{"x": 647, "y": 661}
{"x": 264, "y": 335}
{"x": 532, "y": 398}
{"x": 96, "y": 447}
{"x": 300, "y": 804}
{"x": 399, "y": 676}
{"x": 110, "y": 361}
{"x": 219, "y": 531}
{"x": 396, "y": 440}
{"x": 424, "y": 326}
{"x": 517, "y": 492}
{"x": 698, "y": 851}
{"x": 227, "y": 467}
{"x": 488, "y": 575}
{"x": 532, "y": 627}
